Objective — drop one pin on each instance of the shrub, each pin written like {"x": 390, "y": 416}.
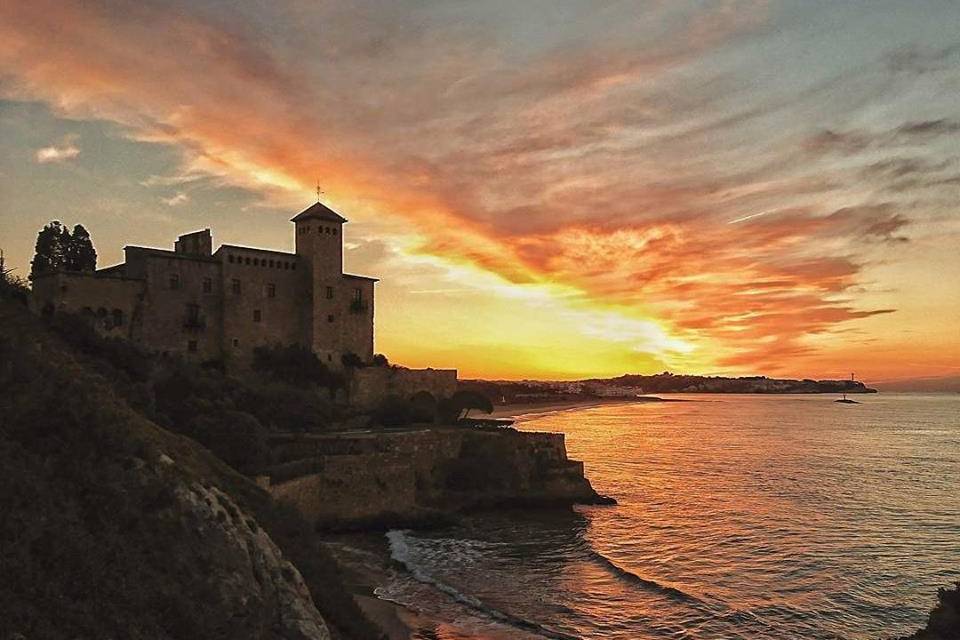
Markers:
{"x": 380, "y": 360}
{"x": 292, "y": 364}
{"x": 351, "y": 360}
{"x": 235, "y": 437}
{"x": 423, "y": 407}
{"x": 393, "y": 411}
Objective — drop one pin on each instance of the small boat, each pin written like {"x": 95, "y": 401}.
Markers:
{"x": 844, "y": 400}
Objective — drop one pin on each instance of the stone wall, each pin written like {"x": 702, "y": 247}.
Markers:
{"x": 396, "y": 478}
{"x": 113, "y": 301}
{"x": 370, "y": 385}
{"x": 172, "y": 284}
{"x": 253, "y": 317}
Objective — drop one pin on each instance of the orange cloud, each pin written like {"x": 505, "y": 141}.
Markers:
{"x": 579, "y": 167}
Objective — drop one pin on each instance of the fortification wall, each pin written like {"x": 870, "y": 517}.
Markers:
{"x": 173, "y": 284}
{"x": 112, "y": 301}
{"x": 403, "y": 477}
{"x": 370, "y": 385}
{"x": 271, "y": 305}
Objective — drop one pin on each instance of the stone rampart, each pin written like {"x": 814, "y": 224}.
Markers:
{"x": 401, "y": 477}
{"x": 370, "y": 385}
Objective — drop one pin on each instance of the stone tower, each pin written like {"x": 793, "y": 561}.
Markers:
{"x": 319, "y": 242}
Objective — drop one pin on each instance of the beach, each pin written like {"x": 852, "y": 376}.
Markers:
{"x": 522, "y": 411}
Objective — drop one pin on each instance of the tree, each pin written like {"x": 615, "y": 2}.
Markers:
{"x": 380, "y": 360}
{"x": 51, "y": 247}
{"x": 351, "y": 360}
{"x": 459, "y": 405}
{"x": 11, "y": 286}
{"x": 80, "y": 254}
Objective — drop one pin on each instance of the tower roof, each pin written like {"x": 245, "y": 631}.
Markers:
{"x": 318, "y": 210}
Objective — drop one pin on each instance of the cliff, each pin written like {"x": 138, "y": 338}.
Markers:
{"x": 419, "y": 475}
{"x": 114, "y": 527}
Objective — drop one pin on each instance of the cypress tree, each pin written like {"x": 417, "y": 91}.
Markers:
{"x": 80, "y": 254}
{"x": 50, "y": 249}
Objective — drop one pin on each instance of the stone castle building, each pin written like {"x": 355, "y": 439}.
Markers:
{"x": 207, "y": 304}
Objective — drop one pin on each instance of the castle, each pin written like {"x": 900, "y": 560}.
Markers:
{"x": 222, "y": 304}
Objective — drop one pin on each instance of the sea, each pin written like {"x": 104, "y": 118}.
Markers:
{"x": 738, "y": 517}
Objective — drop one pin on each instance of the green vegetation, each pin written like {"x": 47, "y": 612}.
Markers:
{"x": 296, "y": 365}
{"x": 462, "y": 402}
{"x": 12, "y": 287}
{"x": 94, "y": 542}
{"x": 57, "y": 249}
{"x": 423, "y": 408}
{"x": 231, "y": 416}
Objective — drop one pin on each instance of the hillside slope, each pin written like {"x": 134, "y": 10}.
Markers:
{"x": 113, "y": 527}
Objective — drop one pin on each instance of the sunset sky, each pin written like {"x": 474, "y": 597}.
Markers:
{"x": 547, "y": 189}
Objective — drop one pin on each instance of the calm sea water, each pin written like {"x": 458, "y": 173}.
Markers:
{"x": 753, "y": 517}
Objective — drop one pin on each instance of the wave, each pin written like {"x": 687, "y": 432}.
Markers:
{"x": 632, "y": 578}
{"x": 400, "y": 553}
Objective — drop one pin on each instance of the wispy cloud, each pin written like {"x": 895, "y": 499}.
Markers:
{"x": 614, "y": 162}
{"x": 176, "y": 199}
{"x": 67, "y": 149}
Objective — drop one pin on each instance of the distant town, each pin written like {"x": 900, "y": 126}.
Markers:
{"x": 635, "y": 386}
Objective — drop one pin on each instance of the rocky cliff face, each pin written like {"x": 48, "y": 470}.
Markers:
{"x": 415, "y": 476}
{"x": 257, "y": 588}
{"x": 114, "y": 528}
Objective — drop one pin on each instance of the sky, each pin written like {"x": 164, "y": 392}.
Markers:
{"x": 547, "y": 189}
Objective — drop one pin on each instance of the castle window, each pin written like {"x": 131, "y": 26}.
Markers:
{"x": 207, "y": 285}
{"x": 246, "y": 260}
{"x": 293, "y": 266}
{"x": 358, "y": 295}
{"x": 235, "y": 286}
{"x": 257, "y": 316}
{"x": 256, "y": 262}
{"x": 230, "y": 258}
{"x": 192, "y": 346}
{"x": 271, "y": 264}
{"x": 329, "y": 358}
{"x": 330, "y": 318}
{"x": 271, "y": 290}
{"x": 334, "y": 231}
{"x": 286, "y": 265}
{"x": 193, "y": 316}
{"x": 174, "y": 281}
{"x": 329, "y": 293}
{"x": 236, "y": 343}
{"x": 117, "y": 317}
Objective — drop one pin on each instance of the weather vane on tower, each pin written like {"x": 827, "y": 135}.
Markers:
{"x": 318, "y": 190}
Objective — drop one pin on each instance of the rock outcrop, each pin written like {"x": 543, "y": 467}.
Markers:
{"x": 112, "y": 527}
{"x": 416, "y": 476}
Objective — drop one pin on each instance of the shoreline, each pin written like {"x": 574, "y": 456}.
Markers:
{"x": 524, "y": 411}
{"x": 364, "y": 561}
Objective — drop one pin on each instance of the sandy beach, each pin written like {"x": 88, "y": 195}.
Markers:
{"x": 524, "y": 411}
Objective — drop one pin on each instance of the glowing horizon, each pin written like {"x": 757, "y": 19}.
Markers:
{"x": 552, "y": 190}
